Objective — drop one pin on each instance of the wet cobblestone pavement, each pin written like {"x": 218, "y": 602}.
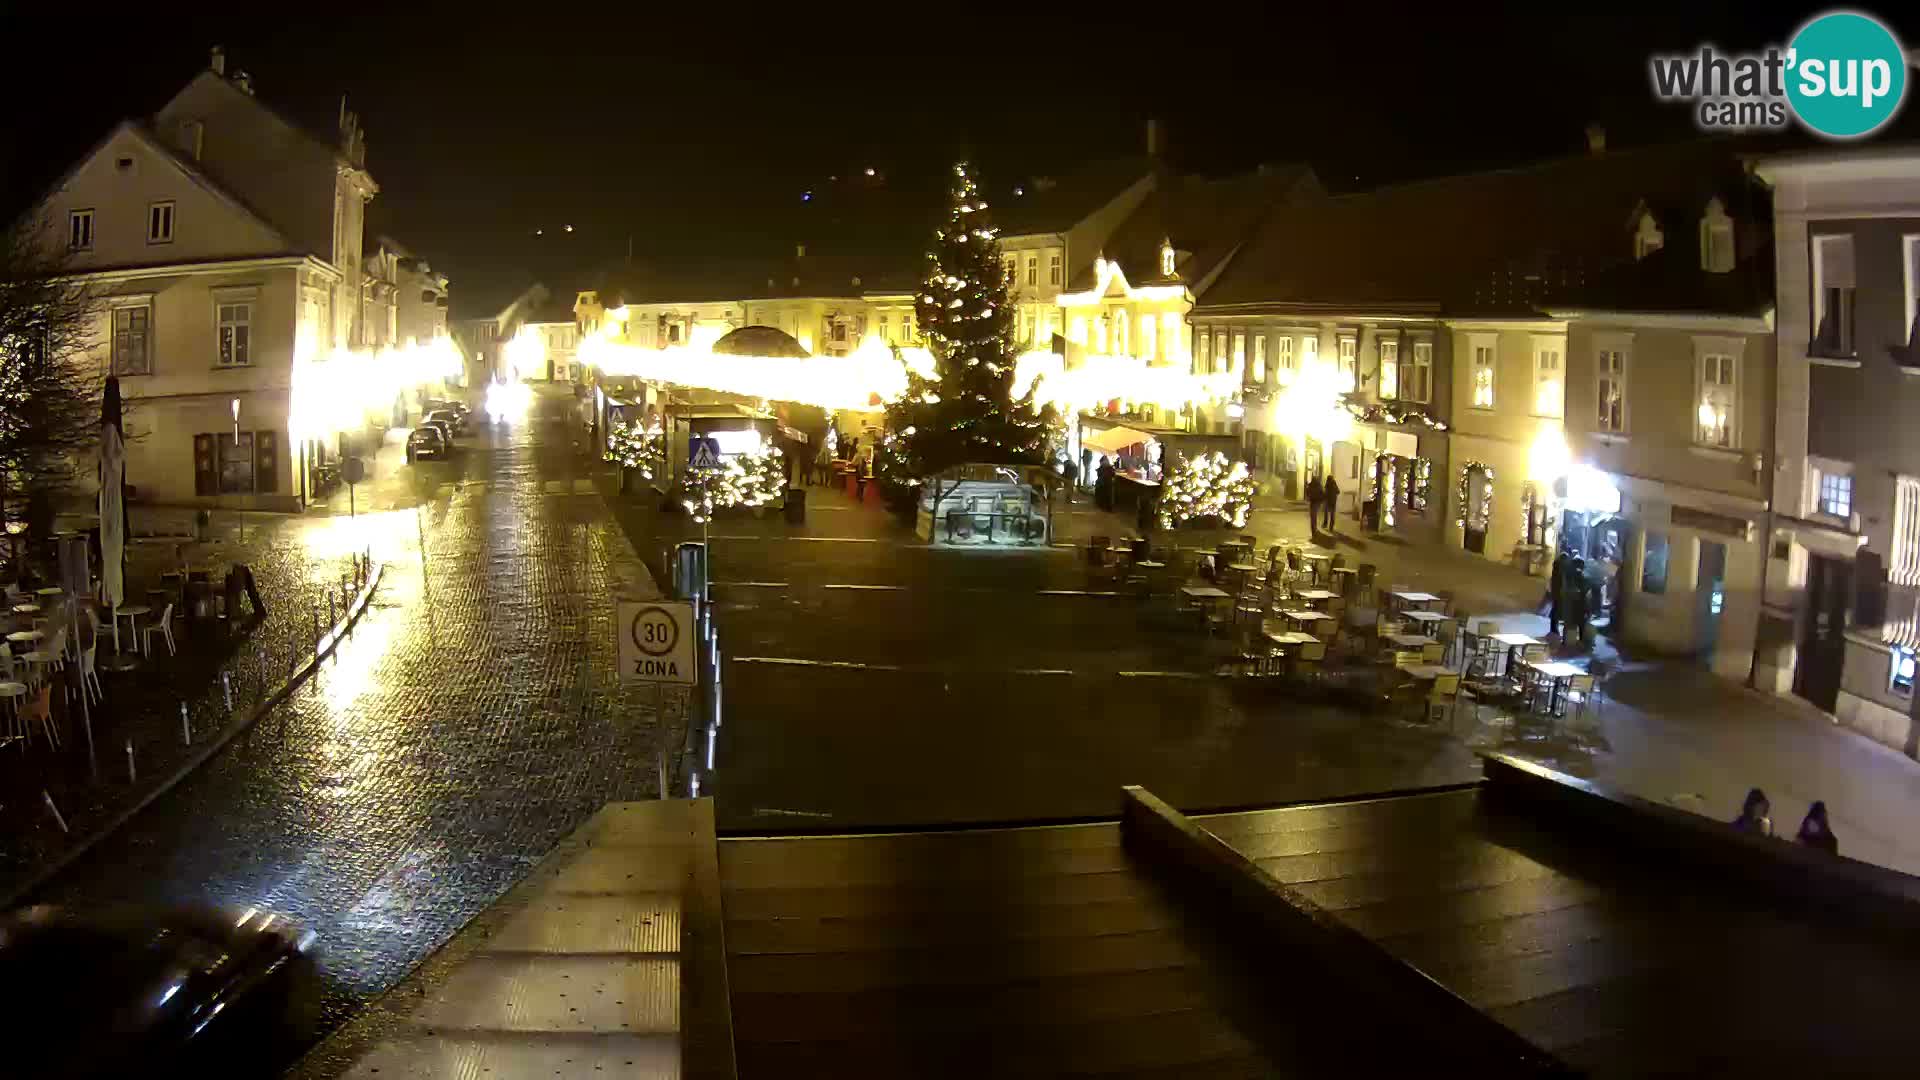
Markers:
{"x": 470, "y": 721}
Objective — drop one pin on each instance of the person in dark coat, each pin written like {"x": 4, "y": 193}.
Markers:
{"x": 1103, "y": 485}
{"x": 1815, "y": 832}
{"x": 1330, "y": 495}
{"x": 1556, "y": 587}
{"x": 1313, "y": 504}
{"x": 1574, "y": 586}
{"x": 1753, "y": 815}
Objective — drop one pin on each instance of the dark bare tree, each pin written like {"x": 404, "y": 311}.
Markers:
{"x": 49, "y": 385}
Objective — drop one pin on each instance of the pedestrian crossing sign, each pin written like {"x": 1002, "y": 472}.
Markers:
{"x": 703, "y": 453}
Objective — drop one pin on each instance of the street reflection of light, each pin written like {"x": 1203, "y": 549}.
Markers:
{"x": 387, "y": 534}
{"x": 172, "y": 989}
{"x": 246, "y": 917}
{"x": 351, "y": 672}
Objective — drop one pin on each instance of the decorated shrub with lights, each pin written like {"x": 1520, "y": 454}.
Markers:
{"x": 1206, "y": 487}
{"x": 754, "y": 479}
{"x": 965, "y": 410}
{"x": 636, "y": 446}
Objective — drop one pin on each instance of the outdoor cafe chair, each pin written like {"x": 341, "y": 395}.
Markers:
{"x": 1580, "y": 692}
{"x": 39, "y": 709}
{"x": 163, "y": 627}
{"x": 90, "y": 675}
{"x": 1444, "y": 698}
{"x": 52, "y": 655}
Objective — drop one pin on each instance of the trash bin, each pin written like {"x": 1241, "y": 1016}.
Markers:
{"x": 796, "y": 506}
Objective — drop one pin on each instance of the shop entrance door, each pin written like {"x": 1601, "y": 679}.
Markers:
{"x": 1710, "y": 595}
{"x": 1478, "y": 486}
{"x": 1816, "y": 675}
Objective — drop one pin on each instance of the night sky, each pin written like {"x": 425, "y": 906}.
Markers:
{"x": 699, "y": 137}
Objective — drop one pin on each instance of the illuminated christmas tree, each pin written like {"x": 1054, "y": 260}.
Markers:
{"x": 968, "y": 411}
{"x": 635, "y": 446}
{"x": 755, "y": 478}
{"x": 1207, "y": 486}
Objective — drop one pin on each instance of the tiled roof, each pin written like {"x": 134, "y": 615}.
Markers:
{"x": 1056, "y": 204}
{"x": 1556, "y": 235}
{"x": 716, "y": 280}
{"x": 1206, "y": 220}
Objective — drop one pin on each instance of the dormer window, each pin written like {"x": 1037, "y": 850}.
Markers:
{"x": 1166, "y": 258}
{"x": 1716, "y": 239}
{"x": 1647, "y": 237}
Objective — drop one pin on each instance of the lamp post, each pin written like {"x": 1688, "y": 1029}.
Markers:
{"x": 234, "y": 406}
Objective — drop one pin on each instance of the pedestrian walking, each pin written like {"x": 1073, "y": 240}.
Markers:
{"x": 1330, "y": 495}
{"x": 1815, "y": 832}
{"x": 1103, "y": 485}
{"x": 1313, "y": 504}
{"x": 862, "y": 472}
{"x": 1753, "y": 815}
{"x": 1574, "y": 590}
{"x": 1556, "y": 587}
{"x": 823, "y": 464}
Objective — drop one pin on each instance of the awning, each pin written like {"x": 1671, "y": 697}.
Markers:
{"x": 1113, "y": 439}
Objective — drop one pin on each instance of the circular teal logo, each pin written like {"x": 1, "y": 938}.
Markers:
{"x": 1846, "y": 74}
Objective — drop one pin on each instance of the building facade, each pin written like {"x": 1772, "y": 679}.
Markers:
{"x": 1843, "y": 572}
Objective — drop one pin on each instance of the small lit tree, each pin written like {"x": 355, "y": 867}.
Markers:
{"x": 49, "y": 390}
{"x": 1205, "y": 486}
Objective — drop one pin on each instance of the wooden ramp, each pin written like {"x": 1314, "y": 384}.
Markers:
{"x": 1043, "y": 951}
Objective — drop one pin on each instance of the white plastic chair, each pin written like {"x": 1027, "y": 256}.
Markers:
{"x": 164, "y": 628}
{"x": 89, "y": 676}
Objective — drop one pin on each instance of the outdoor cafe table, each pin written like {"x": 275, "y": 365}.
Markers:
{"x": 1559, "y": 674}
{"x": 1425, "y": 672}
{"x": 1305, "y": 619}
{"x": 1410, "y": 642}
{"x": 26, "y": 609}
{"x": 1205, "y": 594}
{"x": 51, "y": 590}
{"x": 1513, "y": 643}
{"x": 1411, "y": 601}
{"x": 132, "y": 613}
{"x": 26, "y": 635}
{"x": 1426, "y": 619}
{"x": 1288, "y": 640}
{"x": 1317, "y": 596}
{"x": 1345, "y": 576}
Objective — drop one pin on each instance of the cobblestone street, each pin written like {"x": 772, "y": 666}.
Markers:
{"x": 470, "y": 721}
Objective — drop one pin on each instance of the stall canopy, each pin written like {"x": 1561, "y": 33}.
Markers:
{"x": 1113, "y": 439}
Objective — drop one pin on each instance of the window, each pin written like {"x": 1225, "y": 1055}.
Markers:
{"x": 1260, "y": 359}
{"x": 1077, "y": 331}
{"x": 1483, "y": 358}
{"x": 1904, "y": 568}
{"x": 80, "y": 230}
{"x": 160, "y": 223}
{"x": 886, "y": 332}
{"x": 1900, "y": 671}
{"x": 1118, "y": 321}
{"x": 1349, "y": 363}
{"x": 1717, "y": 423}
{"x": 1033, "y": 270}
{"x": 1549, "y": 393}
{"x": 1148, "y": 337}
{"x": 1836, "y": 494}
{"x": 1389, "y": 368}
{"x": 235, "y": 334}
{"x": 1203, "y": 352}
{"x": 236, "y": 463}
{"x": 1309, "y": 350}
{"x": 1026, "y": 326}
{"x": 1611, "y": 389}
{"x": 1283, "y": 369}
{"x": 1239, "y": 352}
{"x": 1166, "y": 259}
{"x": 132, "y": 341}
{"x": 1053, "y": 269}
{"x": 1416, "y": 381}
{"x": 1716, "y": 239}
{"x": 1910, "y": 263}
{"x": 1170, "y": 330}
{"x": 1833, "y": 283}
{"x": 1008, "y": 265}
{"x": 1653, "y": 566}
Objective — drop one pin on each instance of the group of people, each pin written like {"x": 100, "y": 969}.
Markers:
{"x": 1322, "y": 498}
{"x": 1815, "y": 832}
{"x": 1572, "y": 599}
{"x": 820, "y": 467}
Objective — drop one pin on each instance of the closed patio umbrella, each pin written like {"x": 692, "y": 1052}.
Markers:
{"x": 113, "y": 506}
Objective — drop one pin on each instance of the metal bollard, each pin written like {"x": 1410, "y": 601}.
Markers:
{"x": 662, "y": 769}
{"x": 131, "y": 775}
{"x": 333, "y": 616}
{"x": 315, "y": 613}
{"x": 226, "y": 688}
{"x": 186, "y": 732}
{"x": 62, "y": 822}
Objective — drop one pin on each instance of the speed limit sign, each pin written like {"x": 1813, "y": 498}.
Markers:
{"x": 656, "y": 641}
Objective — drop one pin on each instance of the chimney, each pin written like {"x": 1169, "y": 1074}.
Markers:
{"x": 1596, "y": 140}
{"x": 244, "y": 81}
{"x": 219, "y": 61}
{"x": 1153, "y": 137}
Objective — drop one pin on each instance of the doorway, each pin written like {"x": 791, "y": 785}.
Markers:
{"x": 1479, "y": 491}
{"x": 1710, "y": 595}
{"x": 1816, "y": 675}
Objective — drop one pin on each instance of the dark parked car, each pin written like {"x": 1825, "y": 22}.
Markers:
{"x": 154, "y": 993}
{"x": 446, "y": 418}
{"x": 428, "y": 441}
{"x": 456, "y": 414}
